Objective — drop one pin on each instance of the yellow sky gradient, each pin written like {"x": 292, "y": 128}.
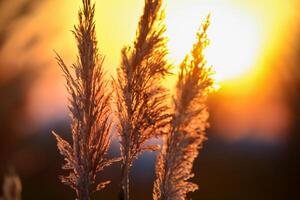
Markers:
{"x": 246, "y": 36}
{"x": 242, "y": 33}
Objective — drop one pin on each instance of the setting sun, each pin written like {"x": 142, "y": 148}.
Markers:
{"x": 234, "y": 35}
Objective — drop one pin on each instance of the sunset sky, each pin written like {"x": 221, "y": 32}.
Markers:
{"x": 246, "y": 37}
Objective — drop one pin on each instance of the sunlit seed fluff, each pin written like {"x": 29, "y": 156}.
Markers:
{"x": 89, "y": 101}
{"x": 141, "y": 109}
{"x": 187, "y": 130}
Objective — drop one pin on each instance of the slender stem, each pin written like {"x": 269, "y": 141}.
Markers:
{"x": 84, "y": 192}
{"x": 124, "y": 192}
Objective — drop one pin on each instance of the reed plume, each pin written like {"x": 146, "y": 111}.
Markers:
{"x": 187, "y": 129}
{"x": 12, "y": 187}
{"x": 89, "y": 110}
{"x": 141, "y": 107}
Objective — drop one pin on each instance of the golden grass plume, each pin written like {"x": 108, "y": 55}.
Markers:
{"x": 187, "y": 129}
{"x": 89, "y": 104}
{"x": 141, "y": 107}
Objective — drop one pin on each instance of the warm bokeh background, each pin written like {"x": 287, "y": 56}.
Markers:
{"x": 254, "y": 140}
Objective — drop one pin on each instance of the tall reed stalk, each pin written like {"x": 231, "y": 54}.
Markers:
{"x": 187, "y": 130}
{"x": 89, "y": 101}
{"x": 141, "y": 107}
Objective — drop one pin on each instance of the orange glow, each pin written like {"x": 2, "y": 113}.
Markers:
{"x": 234, "y": 34}
{"x": 246, "y": 39}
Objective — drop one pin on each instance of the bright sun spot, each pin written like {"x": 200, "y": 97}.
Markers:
{"x": 234, "y": 35}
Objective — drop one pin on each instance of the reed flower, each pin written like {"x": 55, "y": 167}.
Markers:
{"x": 12, "y": 187}
{"x": 89, "y": 104}
{"x": 187, "y": 129}
{"x": 141, "y": 109}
